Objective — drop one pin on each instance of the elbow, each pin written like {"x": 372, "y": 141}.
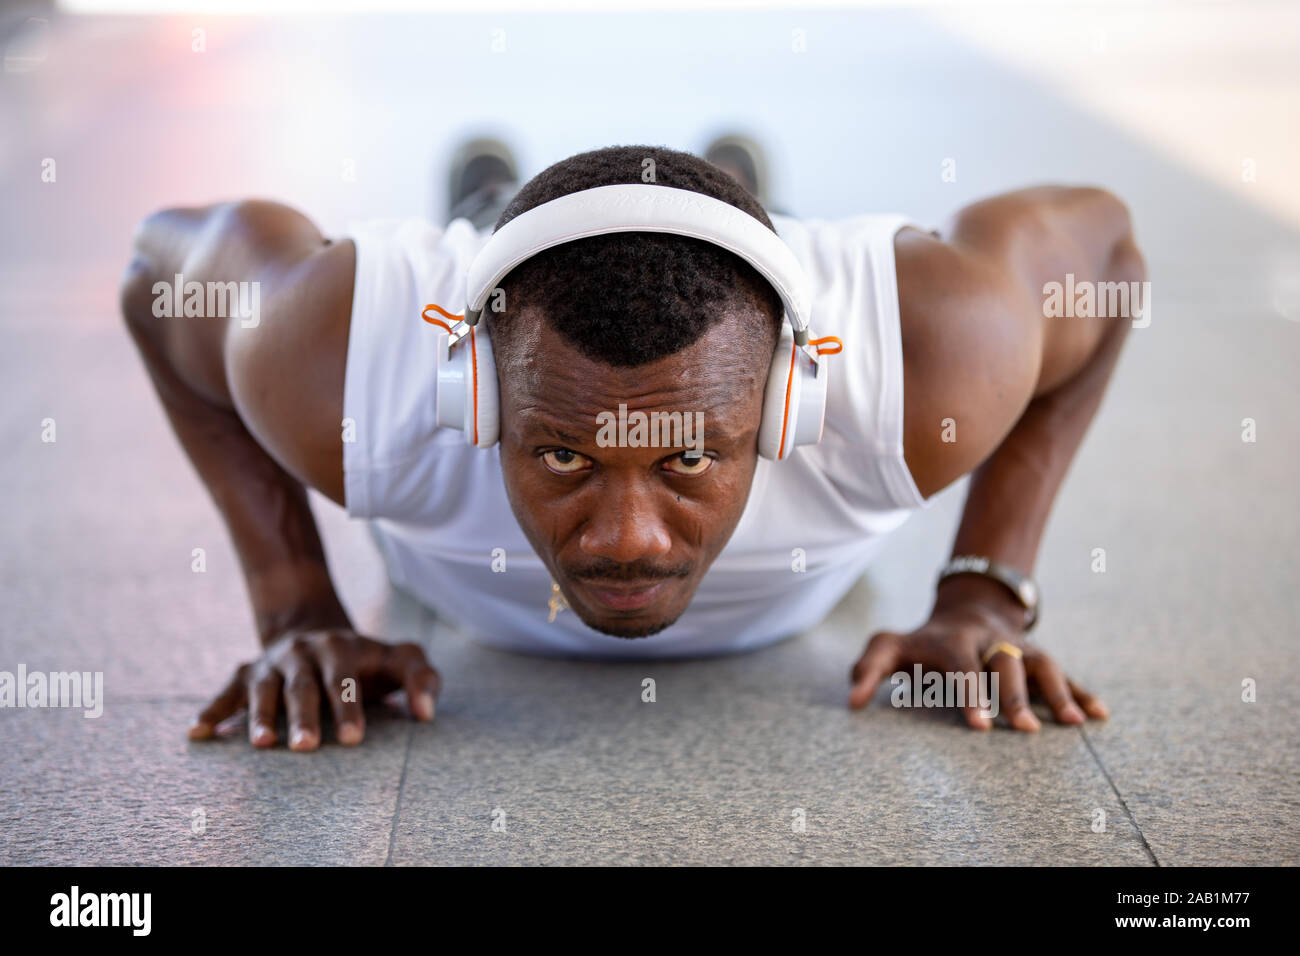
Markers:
{"x": 146, "y": 267}
{"x": 135, "y": 294}
{"x": 1115, "y": 214}
{"x": 1122, "y": 259}
{"x": 158, "y": 244}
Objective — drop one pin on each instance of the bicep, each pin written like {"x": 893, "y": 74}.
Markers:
{"x": 977, "y": 345}
{"x": 972, "y": 346}
{"x": 275, "y": 360}
{"x": 286, "y": 372}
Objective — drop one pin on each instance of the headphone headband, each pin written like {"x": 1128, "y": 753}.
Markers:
{"x": 640, "y": 207}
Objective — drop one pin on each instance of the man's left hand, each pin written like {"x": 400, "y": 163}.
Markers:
{"x": 956, "y": 639}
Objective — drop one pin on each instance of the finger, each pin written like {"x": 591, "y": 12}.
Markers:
{"x": 420, "y": 681}
{"x": 263, "y": 705}
{"x": 343, "y": 688}
{"x": 1013, "y": 690}
{"x": 977, "y": 707}
{"x": 882, "y": 656}
{"x": 223, "y": 706}
{"x": 301, "y": 698}
{"x": 1046, "y": 675}
{"x": 1091, "y": 703}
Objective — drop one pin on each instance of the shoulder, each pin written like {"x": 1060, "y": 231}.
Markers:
{"x": 341, "y": 343}
{"x": 250, "y": 312}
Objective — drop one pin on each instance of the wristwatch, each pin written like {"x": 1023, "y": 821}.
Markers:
{"x": 1020, "y": 585}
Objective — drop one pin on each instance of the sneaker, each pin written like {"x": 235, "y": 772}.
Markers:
{"x": 741, "y": 158}
{"x": 484, "y": 177}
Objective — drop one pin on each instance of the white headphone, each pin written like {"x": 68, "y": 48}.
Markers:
{"x": 794, "y": 404}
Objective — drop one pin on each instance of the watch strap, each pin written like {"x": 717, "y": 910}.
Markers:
{"x": 1021, "y": 586}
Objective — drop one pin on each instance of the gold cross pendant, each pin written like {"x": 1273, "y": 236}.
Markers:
{"x": 557, "y": 603}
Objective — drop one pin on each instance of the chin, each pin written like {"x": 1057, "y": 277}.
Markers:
{"x": 644, "y": 622}
{"x": 630, "y": 629}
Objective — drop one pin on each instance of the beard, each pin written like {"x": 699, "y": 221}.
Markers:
{"x": 631, "y": 630}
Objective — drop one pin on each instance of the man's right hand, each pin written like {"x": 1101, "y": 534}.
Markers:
{"x": 260, "y": 438}
{"x": 298, "y": 668}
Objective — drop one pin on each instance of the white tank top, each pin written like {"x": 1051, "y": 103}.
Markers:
{"x": 439, "y": 508}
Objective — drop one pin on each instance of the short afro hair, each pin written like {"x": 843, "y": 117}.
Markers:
{"x": 626, "y": 299}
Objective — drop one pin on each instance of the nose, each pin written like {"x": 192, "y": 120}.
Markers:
{"x": 625, "y": 527}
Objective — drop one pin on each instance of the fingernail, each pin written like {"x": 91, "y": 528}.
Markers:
{"x": 1100, "y": 710}
{"x": 1074, "y": 715}
{"x": 982, "y": 723}
{"x": 302, "y": 740}
{"x": 261, "y": 733}
{"x": 200, "y": 731}
{"x": 1027, "y": 721}
{"x": 426, "y": 706}
{"x": 349, "y": 734}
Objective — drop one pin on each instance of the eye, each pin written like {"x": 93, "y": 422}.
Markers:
{"x": 688, "y": 467}
{"x": 564, "y": 461}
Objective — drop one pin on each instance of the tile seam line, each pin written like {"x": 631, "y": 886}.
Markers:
{"x": 1119, "y": 796}
{"x": 426, "y": 621}
{"x": 397, "y": 804}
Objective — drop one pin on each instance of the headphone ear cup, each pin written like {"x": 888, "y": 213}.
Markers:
{"x": 780, "y": 401}
{"x": 794, "y": 404}
{"x": 482, "y": 399}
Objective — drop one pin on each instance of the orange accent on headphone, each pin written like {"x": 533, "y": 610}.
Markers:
{"x": 839, "y": 346}
{"x": 438, "y": 322}
{"x": 473, "y": 354}
{"x": 785, "y": 416}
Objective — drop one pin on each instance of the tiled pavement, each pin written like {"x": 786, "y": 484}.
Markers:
{"x": 1199, "y": 528}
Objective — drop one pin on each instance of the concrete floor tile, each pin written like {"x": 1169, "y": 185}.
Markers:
{"x": 123, "y": 789}
{"x": 1198, "y": 527}
{"x": 715, "y": 769}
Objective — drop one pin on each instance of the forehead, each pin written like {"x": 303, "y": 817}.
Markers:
{"x": 546, "y": 379}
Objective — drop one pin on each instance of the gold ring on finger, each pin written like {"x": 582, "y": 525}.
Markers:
{"x": 1001, "y": 647}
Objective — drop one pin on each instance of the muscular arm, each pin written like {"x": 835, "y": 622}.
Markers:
{"x": 1021, "y": 387}
{"x": 225, "y": 386}
{"x": 258, "y": 408}
{"x": 1020, "y": 390}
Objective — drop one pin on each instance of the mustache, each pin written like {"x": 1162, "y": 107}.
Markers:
{"x": 636, "y": 571}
